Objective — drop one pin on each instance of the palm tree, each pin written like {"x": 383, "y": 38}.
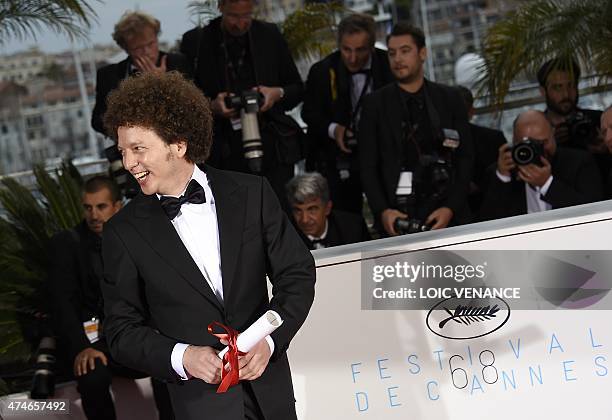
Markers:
{"x": 20, "y": 19}
{"x": 31, "y": 219}
{"x": 542, "y": 30}
{"x": 311, "y": 30}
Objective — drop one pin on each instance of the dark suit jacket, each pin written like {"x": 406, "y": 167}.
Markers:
{"x": 381, "y": 135}
{"x": 74, "y": 286}
{"x": 273, "y": 66}
{"x": 109, "y": 77}
{"x": 327, "y": 98}
{"x": 487, "y": 142}
{"x": 155, "y": 295}
{"x": 576, "y": 180}
{"x": 343, "y": 228}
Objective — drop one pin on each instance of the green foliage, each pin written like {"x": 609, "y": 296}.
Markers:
{"x": 31, "y": 219}
{"x": 311, "y": 30}
{"x": 21, "y": 19}
{"x": 541, "y": 30}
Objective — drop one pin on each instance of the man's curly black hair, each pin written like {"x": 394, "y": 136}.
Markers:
{"x": 166, "y": 103}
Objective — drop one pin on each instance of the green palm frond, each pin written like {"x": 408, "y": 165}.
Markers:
{"x": 541, "y": 30}
{"x": 311, "y": 30}
{"x": 31, "y": 218}
{"x": 20, "y": 19}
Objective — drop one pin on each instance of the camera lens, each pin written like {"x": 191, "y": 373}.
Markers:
{"x": 523, "y": 154}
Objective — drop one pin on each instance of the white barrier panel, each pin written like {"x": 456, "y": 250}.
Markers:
{"x": 350, "y": 363}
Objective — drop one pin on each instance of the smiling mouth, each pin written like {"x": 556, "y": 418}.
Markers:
{"x": 140, "y": 176}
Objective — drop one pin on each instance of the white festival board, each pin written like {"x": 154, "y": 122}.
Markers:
{"x": 350, "y": 363}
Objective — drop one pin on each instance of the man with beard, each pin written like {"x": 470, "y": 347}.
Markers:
{"x": 415, "y": 144}
{"x": 75, "y": 275}
{"x": 574, "y": 127}
{"x": 335, "y": 90}
{"x": 561, "y": 177}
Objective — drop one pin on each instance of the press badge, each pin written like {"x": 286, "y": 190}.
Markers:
{"x": 451, "y": 138}
{"x": 236, "y": 124}
{"x": 404, "y": 185}
{"x": 92, "y": 329}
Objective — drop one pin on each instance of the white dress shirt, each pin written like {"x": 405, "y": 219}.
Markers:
{"x": 197, "y": 226}
{"x": 533, "y": 195}
{"x": 320, "y": 238}
{"x": 359, "y": 80}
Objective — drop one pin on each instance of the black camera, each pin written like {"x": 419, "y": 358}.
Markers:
{"x": 125, "y": 181}
{"x": 528, "y": 151}
{"x": 350, "y": 140}
{"x": 249, "y": 103}
{"x": 581, "y": 129}
{"x": 43, "y": 382}
{"x": 431, "y": 182}
{"x": 406, "y": 226}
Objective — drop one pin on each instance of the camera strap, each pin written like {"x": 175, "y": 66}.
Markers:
{"x": 364, "y": 90}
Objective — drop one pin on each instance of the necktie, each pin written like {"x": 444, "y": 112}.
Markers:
{"x": 194, "y": 194}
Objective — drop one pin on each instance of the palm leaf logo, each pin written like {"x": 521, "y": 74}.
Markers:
{"x": 468, "y": 314}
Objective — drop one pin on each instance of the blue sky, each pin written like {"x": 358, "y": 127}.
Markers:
{"x": 173, "y": 15}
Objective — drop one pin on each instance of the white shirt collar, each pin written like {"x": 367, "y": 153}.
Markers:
{"x": 323, "y": 235}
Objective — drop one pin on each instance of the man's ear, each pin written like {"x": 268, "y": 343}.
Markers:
{"x": 543, "y": 92}
{"x": 423, "y": 54}
{"x": 328, "y": 207}
{"x": 180, "y": 148}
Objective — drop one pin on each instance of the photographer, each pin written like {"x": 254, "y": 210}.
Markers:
{"x": 574, "y": 127}
{"x": 415, "y": 144}
{"x": 534, "y": 175}
{"x": 237, "y": 54}
{"x": 320, "y": 225}
{"x": 74, "y": 278}
{"x": 334, "y": 94}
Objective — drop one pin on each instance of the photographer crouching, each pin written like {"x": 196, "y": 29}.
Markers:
{"x": 534, "y": 175}
{"x": 415, "y": 145}
{"x": 244, "y": 66}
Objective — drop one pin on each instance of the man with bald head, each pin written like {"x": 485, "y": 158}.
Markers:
{"x": 559, "y": 178}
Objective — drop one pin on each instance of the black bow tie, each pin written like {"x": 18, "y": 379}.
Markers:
{"x": 194, "y": 194}
{"x": 362, "y": 71}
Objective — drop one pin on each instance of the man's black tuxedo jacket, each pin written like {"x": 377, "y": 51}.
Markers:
{"x": 381, "y": 134}
{"x": 576, "y": 180}
{"x": 74, "y": 286}
{"x": 327, "y": 98}
{"x": 343, "y": 228}
{"x": 487, "y": 142}
{"x": 109, "y": 77}
{"x": 273, "y": 66}
{"x": 155, "y": 295}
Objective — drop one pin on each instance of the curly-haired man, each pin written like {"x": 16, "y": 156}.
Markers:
{"x": 194, "y": 248}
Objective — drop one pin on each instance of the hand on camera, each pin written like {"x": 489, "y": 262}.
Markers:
{"x": 388, "y": 217}
{"x": 218, "y": 106}
{"x": 535, "y": 175}
{"x": 340, "y": 133}
{"x": 439, "y": 218}
{"x": 505, "y": 164}
{"x": 271, "y": 96}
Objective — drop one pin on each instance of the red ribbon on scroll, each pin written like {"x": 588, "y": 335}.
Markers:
{"x": 228, "y": 377}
